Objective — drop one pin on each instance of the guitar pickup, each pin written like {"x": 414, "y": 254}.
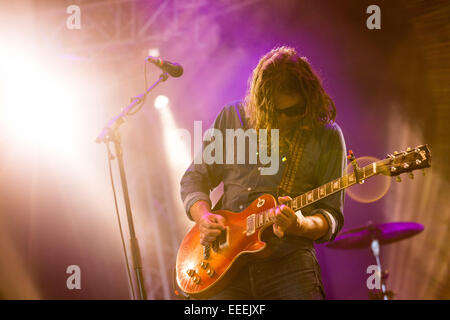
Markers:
{"x": 224, "y": 239}
{"x": 251, "y": 224}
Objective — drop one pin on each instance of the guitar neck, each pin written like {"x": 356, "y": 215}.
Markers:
{"x": 332, "y": 187}
{"x": 319, "y": 193}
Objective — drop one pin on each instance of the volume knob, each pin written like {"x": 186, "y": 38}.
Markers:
{"x": 196, "y": 279}
{"x": 210, "y": 272}
{"x": 190, "y": 272}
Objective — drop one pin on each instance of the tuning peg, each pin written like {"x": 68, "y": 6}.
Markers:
{"x": 396, "y": 153}
{"x": 398, "y": 179}
{"x": 411, "y": 175}
{"x": 408, "y": 149}
{"x": 351, "y": 155}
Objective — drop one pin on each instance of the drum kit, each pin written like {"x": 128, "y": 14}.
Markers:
{"x": 373, "y": 236}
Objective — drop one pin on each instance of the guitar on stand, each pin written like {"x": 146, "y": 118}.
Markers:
{"x": 202, "y": 271}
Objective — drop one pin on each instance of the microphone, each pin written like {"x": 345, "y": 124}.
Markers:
{"x": 174, "y": 69}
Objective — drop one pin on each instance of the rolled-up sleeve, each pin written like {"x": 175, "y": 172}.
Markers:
{"x": 200, "y": 178}
{"x": 331, "y": 166}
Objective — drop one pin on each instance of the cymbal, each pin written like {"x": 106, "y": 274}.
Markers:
{"x": 385, "y": 233}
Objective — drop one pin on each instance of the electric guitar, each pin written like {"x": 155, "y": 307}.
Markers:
{"x": 202, "y": 271}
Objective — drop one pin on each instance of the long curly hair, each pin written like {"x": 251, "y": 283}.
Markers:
{"x": 283, "y": 70}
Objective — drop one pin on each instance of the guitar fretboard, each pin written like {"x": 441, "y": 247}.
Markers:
{"x": 331, "y": 187}
{"x": 263, "y": 218}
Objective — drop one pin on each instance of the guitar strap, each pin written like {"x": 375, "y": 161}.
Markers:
{"x": 294, "y": 157}
{"x": 299, "y": 139}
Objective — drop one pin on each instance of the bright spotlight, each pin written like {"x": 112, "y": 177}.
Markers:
{"x": 41, "y": 111}
{"x": 161, "y": 102}
{"x": 177, "y": 141}
{"x": 154, "y": 52}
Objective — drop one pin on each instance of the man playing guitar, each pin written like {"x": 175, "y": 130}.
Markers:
{"x": 284, "y": 93}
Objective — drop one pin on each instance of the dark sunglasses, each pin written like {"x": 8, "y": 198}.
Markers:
{"x": 295, "y": 110}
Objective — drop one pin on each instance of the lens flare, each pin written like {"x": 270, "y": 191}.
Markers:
{"x": 37, "y": 108}
{"x": 372, "y": 189}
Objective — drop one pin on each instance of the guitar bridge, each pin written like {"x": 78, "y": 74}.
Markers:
{"x": 222, "y": 241}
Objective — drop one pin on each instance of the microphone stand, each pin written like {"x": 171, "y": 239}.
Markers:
{"x": 111, "y": 133}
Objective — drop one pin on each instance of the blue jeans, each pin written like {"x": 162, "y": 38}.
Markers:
{"x": 295, "y": 276}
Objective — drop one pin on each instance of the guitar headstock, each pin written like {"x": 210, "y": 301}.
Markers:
{"x": 405, "y": 161}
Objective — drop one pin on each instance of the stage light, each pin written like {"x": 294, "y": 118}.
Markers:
{"x": 38, "y": 106}
{"x": 176, "y": 141}
{"x": 154, "y": 52}
{"x": 161, "y": 101}
{"x": 177, "y": 146}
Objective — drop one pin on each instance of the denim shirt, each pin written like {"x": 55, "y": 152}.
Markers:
{"x": 323, "y": 160}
